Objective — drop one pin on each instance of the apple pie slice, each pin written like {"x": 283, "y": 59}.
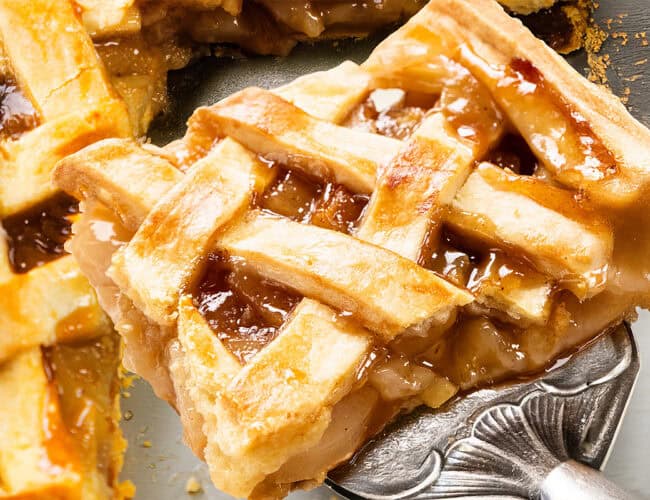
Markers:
{"x": 310, "y": 261}
{"x": 59, "y": 355}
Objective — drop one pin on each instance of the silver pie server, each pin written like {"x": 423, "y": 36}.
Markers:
{"x": 545, "y": 438}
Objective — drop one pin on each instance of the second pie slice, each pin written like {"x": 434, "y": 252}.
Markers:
{"x": 309, "y": 262}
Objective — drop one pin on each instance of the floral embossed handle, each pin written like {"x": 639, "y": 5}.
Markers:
{"x": 542, "y": 439}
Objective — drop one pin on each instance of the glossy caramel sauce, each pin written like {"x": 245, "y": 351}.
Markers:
{"x": 466, "y": 263}
{"x": 245, "y": 311}
{"x": 450, "y": 262}
{"x": 477, "y": 346}
{"x": 395, "y": 114}
{"x": 513, "y": 153}
{"x": 84, "y": 383}
{"x": 339, "y": 209}
{"x": 17, "y": 113}
{"x": 292, "y": 196}
{"x": 36, "y": 236}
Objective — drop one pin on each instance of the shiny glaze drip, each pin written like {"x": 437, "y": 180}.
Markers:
{"x": 468, "y": 107}
{"x": 17, "y": 113}
{"x": 390, "y": 112}
{"x": 36, "y": 236}
{"x": 83, "y": 378}
{"x": 449, "y": 261}
{"x": 245, "y": 311}
{"x": 596, "y": 162}
{"x": 499, "y": 267}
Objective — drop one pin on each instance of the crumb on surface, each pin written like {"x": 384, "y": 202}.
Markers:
{"x": 642, "y": 36}
{"x": 626, "y": 95}
{"x": 146, "y": 444}
{"x": 622, "y": 35}
{"x": 128, "y": 415}
{"x": 127, "y": 378}
{"x": 192, "y": 485}
{"x": 126, "y": 489}
{"x": 595, "y": 36}
{"x": 633, "y": 78}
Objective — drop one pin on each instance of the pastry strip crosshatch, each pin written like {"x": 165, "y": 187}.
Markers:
{"x": 324, "y": 253}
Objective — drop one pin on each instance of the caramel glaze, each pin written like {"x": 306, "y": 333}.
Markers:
{"x": 78, "y": 416}
{"x": 36, "y": 236}
{"x": 513, "y": 153}
{"x": 244, "y": 311}
{"x": 595, "y": 160}
{"x": 17, "y": 114}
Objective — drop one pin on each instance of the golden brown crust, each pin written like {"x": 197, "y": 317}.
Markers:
{"x": 487, "y": 42}
{"x": 60, "y": 432}
{"x": 346, "y": 353}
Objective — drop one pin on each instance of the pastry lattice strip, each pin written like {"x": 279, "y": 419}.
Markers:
{"x": 55, "y": 66}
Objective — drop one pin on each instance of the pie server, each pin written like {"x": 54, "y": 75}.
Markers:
{"x": 543, "y": 438}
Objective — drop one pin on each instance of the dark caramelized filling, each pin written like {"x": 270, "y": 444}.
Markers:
{"x": 292, "y": 196}
{"x": 245, "y": 311}
{"x": 330, "y": 206}
{"x": 466, "y": 262}
{"x": 555, "y": 27}
{"x": 449, "y": 261}
{"x": 37, "y": 235}
{"x": 393, "y": 115}
{"x": 513, "y": 153}
{"x": 17, "y": 114}
{"x": 339, "y": 209}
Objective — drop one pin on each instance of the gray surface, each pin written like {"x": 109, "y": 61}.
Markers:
{"x": 161, "y": 471}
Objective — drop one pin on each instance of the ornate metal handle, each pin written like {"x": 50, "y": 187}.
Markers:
{"x": 575, "y": 481}
{"x": 515, "y": 442}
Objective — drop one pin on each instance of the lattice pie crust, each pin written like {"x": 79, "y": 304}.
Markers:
{"x": 504, "y": 224}
{"x": 58, "y": 352}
